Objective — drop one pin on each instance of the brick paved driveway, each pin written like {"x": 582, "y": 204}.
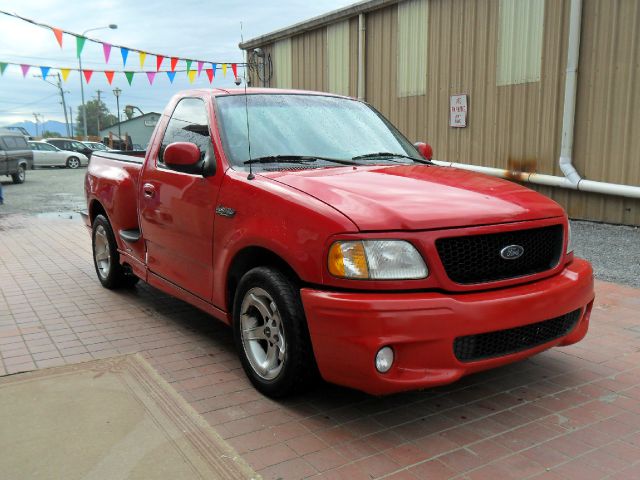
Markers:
{"x": 568, "y": 413}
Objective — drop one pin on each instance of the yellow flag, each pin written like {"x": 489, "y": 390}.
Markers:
{"x": 192, "y": 75}
{"x": 65, "y": 73}
{"x": 143, "y": 55}
{"x": 224, "y": 69}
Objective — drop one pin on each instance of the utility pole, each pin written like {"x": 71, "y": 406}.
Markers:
{"x": 71, "y": 121}
{"x": 98, "y": 115}
{"x": 62, "y": 92}
{"x": 35, "y": 115}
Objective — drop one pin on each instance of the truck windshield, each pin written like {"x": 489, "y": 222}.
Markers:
{"x": 286, "y": 125}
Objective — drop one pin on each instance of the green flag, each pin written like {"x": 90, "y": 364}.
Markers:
{"x": 3, "y": 67}
{"x": 129, "y": 76}
{"x": 79, "y": 45}
{"x": 188, "y": 65}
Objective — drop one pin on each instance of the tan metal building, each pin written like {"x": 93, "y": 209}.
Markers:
{"x": 509, "y": 58}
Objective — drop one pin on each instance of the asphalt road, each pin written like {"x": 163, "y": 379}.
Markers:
{"x": 613, "y": 250}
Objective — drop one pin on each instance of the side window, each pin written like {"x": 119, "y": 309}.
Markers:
{"x": 16, "y": 143}
{"x": 189, "y": 123}
{"x": 21, "y": 143}
{"x": 48, "y": 148}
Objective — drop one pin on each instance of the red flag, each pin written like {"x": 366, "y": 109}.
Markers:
{"x": 209, "y": 72}
{"x": 109, "y": 75}
{"x": 159, "y": 59}
{"x": 174, "y": 62}
{"x": 58, "y": 33}
{"x": 87, "y": 75}
{"x": 234, "y": 67}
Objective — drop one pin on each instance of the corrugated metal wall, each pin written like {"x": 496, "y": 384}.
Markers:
{"x": 338, "y": 54}
{"x": 511, "y": 126}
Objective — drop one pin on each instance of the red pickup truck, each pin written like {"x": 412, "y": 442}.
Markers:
{"x": 331, "y": 244}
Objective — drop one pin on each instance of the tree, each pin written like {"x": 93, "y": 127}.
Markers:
{"x": 49, "y": 134}
{"x": 95, "y": 110}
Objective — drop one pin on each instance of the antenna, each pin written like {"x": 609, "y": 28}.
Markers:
{"x": 251, "y": 176}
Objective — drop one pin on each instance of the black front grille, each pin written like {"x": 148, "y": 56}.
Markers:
{"x": 477, "y": 259}
{"x": 512, "y": 340}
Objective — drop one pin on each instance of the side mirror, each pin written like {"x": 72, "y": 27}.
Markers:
{"x": 181, "y": 154}
{"x": 424, "y": 149}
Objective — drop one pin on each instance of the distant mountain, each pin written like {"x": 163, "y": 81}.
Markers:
{"x": 50, "y": 125}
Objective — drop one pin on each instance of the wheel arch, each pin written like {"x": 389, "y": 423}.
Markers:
{"x": 251, "y": 257}
{"x": 95, "y": 209}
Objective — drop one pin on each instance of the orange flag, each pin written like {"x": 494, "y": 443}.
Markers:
{"x": 109, "y": 75}
{"x": 58, "y": 33}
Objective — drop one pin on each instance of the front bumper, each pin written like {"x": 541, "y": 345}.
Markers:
{"x": 347, "y": 328}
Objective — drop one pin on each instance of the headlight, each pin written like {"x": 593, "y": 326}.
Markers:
{"x": 569, "y": 242}
{"x": 376, "y": 260}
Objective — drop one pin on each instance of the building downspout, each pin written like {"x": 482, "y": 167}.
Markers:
{"x": 572, "y": 179}
{"x": 361, "y": 53}
{"x": 570, "y": 93}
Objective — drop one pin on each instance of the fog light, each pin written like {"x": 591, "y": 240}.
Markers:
{"x": 384, "y": 359}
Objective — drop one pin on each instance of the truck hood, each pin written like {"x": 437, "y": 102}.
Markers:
{"x": 419, "y": 197}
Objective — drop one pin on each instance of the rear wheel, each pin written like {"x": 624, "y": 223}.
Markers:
{"x": 20, "y": 175}
{"x": 106, "y": 258}
{"x": 73, "y": 162}
{"x": 271, "y": 334}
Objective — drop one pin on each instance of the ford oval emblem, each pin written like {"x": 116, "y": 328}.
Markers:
{"x": 512, "y": 252}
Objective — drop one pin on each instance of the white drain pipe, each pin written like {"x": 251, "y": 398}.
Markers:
{"x": 572, "y": 179}
{"x": 362, "y": 27}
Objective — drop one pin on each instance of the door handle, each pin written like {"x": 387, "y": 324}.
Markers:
{"x": 148, "y": 190}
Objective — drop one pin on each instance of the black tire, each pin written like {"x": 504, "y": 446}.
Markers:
{"x": 20, "y": 175}
{"x": 114, "y": 276}
{"x": 73, "y": 162}
{"x": 298, "y": 367}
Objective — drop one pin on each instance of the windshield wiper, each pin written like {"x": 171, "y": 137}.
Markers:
{"x": 297, "y": 159}
{"x": 389, "y": 155}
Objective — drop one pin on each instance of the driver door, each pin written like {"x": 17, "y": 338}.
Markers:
{"x": 177, "y": 209}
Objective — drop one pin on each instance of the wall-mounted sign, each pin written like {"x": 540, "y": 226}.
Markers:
{"x": 458, "y": 111}
{"x": 151, "y": 123}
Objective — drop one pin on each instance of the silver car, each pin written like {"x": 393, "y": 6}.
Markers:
{"x": 47, "y": 155}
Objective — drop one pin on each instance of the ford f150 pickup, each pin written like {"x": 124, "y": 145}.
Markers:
{"x": 331, "y": 245}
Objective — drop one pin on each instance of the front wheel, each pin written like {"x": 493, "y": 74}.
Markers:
{"x": 73, "y": 162}
{"x": 271, "y": 334}
{"x": 106, "y": 258}
{"x": 20, "y": 175}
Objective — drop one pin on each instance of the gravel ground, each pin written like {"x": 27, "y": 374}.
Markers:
{"x": 45, "y": 190}
{"x": 613, "y": 250}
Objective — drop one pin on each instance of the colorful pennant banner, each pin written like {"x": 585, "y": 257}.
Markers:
{"x": 106, "y": 47}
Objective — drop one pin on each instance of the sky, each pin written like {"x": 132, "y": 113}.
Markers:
{"x": 201, "y": 29}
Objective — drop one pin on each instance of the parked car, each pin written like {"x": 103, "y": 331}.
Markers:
{"x": 330, "y": 243}
{"x": 47, "y": 155}
{"x": 97, "y": 146}
{"x": 70, "y": 145}
{"x": 15, "y": 155}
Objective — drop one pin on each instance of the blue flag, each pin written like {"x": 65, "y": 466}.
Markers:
{"x": 171, "y": 76}
{"x": 45, "y": 72}
{"x": 125, "y": 54}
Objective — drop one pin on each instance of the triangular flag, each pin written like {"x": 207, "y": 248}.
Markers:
{"x": 151, "y": 76}
{"x": 224, "y": 69}
{"x": 58, "y": 33}
{"x": 143, "y": 56}
{"x": 79, "y": 45}
{"x": 213, "y": 67}
{"x": 209, "y": 72}
{"x": 171, "y": 76}
{"x": 87, "y": 75}
{"x": 234, "y": 67}
{"x": 3, "y": 67}
{"x": 174, "y": 62}
{"x": 25, "y": 69}
{"x": 106, "y": 48}
{"x": 189, "y": 65}
{"x": 45, "y": 72}
{"x": 159, "y": 59}
{"x": 192, "y": 76}
{"x": 109, "y": 75}
{"x": 129, "y": 76}
{"x": 65, "y": 73}
{"x": 125, "y": 54}
{"x": 200, "y": 64}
